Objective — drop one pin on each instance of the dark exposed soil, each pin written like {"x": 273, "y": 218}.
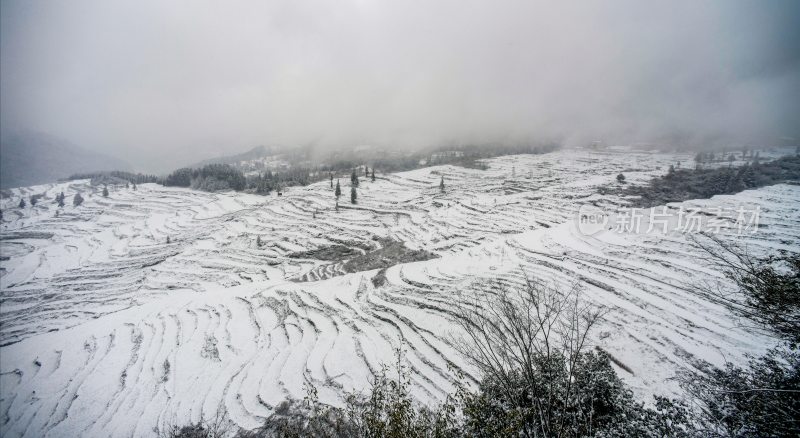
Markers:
{"x": 392, "y": 253}
{"x": 331, "y": 253}
{"x": 380, "y": 278}
{"x": 26, "y": 235}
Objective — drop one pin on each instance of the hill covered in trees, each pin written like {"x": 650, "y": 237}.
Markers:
{"x": 212, "y": 177}
{"x": 684, "y": 184}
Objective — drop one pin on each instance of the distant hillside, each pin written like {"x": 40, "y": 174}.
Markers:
{"x": 256, "y": 152}
{"x": 29, "y": 158}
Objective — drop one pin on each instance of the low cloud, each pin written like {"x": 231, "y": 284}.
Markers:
{"x": 162, "y": 84}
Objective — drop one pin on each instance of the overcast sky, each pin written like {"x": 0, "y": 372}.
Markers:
{"x": 165, "y": 83}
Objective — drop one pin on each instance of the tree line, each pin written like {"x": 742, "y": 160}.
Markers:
{"x": 133, "y": 178}
{"x": 211, "y": 177}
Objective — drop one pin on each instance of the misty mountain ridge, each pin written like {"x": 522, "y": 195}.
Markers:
{"x": 252, "y": 154}
{"x": 30, "y": 157}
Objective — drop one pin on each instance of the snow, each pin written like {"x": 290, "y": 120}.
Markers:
{"x": 107, "y": 330}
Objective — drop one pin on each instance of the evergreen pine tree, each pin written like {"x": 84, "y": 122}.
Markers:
{"x": 258, "y": 241}
{"x": 134, "y": 186}
{"x": 21, "y": 203}
{"x": 441, "y": 185}
{"x": 353, "y": 195}
{"x": 338, "y": 191}
{"x": 748, "y": 176}
{"x": 373, "y": 174}
{"x": 127, "y": 185}
{"x": 734, "y": 183}
{"x": 331, "y": 180}
{"x": 60, "y": 199}
{"x": 33, "y": 200}
{"x": 168, "y": 241}
{"x": 354, "y": 179}
{"x": 105, "y": 191}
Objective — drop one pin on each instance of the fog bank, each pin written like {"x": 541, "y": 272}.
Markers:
{"x": 162, "y": 84}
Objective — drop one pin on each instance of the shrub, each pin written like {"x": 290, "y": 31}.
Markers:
{"x": 767, "y": 287}
{"x": 538, "y": 376}
{"x": 218, "y": 426}
{"x": 760, "y": 400}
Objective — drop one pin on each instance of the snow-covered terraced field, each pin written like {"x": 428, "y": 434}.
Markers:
{"x": 108, "y": 330}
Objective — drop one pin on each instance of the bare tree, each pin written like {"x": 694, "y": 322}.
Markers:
{"x": 531, "y": 343}
{"x": 763, "y": 398}
{"x": 764, "y": 293}
{"x": 218, "y": 426}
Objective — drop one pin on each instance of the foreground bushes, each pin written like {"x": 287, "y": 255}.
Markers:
{"x": 760, "y": 400}
{"x": 603, "y": 405}
{"x": 607, "y": 409}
